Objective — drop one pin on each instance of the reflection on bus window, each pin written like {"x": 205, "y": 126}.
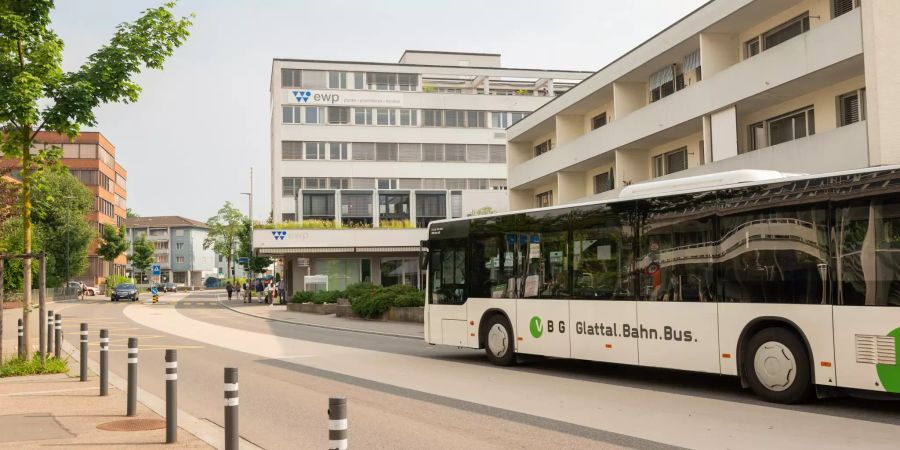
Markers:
{"x": 492, "y": 251}
{"x": 868, "y": 252}
{"x": 677, "y": 247}
{"x": 544, "y": 247}
{"x": 603, "y": 259}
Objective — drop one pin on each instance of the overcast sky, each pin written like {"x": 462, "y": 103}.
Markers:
{"x": 199, "y": 125}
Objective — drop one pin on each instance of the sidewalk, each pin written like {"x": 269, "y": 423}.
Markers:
{"x": 59, "y": 411}
{"x": 280, "y": 313}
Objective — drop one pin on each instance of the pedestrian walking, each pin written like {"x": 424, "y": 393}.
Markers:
{"x": 246, "y": 292}
{"x": 281, "y": 293}
{"x": 229, "y": 289}
{"x": 259, "y": 290}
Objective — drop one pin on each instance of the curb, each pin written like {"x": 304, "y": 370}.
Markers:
{"x": 317, "y": 325}
{"x": 203, "y": 429}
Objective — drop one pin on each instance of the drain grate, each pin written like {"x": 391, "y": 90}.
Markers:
{"x": 133, "y": 425}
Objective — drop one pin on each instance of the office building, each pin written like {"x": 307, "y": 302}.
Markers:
{"x": 178, "y": 245}
{"x": 91, "y": 158}
{"x": 372, "y": 152}
{"x": 794, "y": 86}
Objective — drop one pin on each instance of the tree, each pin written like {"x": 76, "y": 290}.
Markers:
{"x": 60, "y": 206}
{"x": 255, "y": 264}
{"x": 112, "y": 243}
{"x": 484, "y": 210}
{"x": 142, "y": 255}
{"x": 224, "y": 231}
{"x": 36, "y": 94}
{"x": 129, "y": 213}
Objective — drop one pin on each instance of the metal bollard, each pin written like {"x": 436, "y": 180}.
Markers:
{"x": 171, "y": 396}
{"x": 49, "y": 333}
{"x": 337, "y": 423}
{"x": 231, "y": 409}
{"x": 132, "y": 376}
{"x": 21, "y": 349}
{"x": 104, "y": 362}
{"x": 58, "y": 336}
{"x": 83, "y": 355}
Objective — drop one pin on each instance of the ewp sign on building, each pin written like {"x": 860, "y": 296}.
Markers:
{"x": 344, "y": 98}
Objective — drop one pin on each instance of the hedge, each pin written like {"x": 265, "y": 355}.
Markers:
{"x": 366, "y": 299}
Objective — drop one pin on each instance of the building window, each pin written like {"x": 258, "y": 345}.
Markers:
{"x": 288, "y": 217}
{"x": 544, "y": 199}
{"x": 387, "y": 183}
{"x": 106, "y": 208}
{"x": 363, "y": 116}
{"x": 408, "y": 81}
{"x": 603, "y": 182}
{"x": 179, "y": 245}
{"x": 778, "y": 35}
{"x": 515, "y": 117}
{"x": 290, "y": 186}
{"x": 852, "y": 107}
{"x": 408, "y": 117}
{"x": 432, "y": 118}
{"x": 291, "y": 114}
{"x": 499, "y": 119}
{"x": 359, "y": 80}
{"x": 385, "y": 151}
{"x": 314, "y": 115}
{"x": 337, "y": 80}
{"x": 318, "y": 206}
{"x": 339, "y": 183}
{"x": 671, "y": 162}
{"x": 475, "y": 119}
{"x": 598, "y": 121}
{"x": 179, "y": 259}
{"x": 315, "y": 150}
{"x": 291, "y": 150}
{"x": 315, "y": 79}
{"x": 315, "y": 183}
{"x": 784, "y": 128}
{"x": 363, "y": 151}
{"x": 665, "y": 82}
{"x": 543, "y": 147}
{"x": 455, "y": 152}
{"x": 179, "y": 233}
{"x": 338, "y": 150}
{"x": 382, "y": 81}
{"x": 497, "y": 154}
{"x": 290, "y": 78}
{"x": 432, "y": 152}
{"x": 691, "y": 65}
{"x": 338, "y": 115}
{"x": 385, "y": 116}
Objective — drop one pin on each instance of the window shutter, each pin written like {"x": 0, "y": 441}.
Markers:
{"x": 841, "y": 7}
{"x": 477, "y": 153}
{"x": 363, "y": 151}
{"x": 410, "y": 152}
{"x": 849, "y": 109}
{"x": 497, "y": 154}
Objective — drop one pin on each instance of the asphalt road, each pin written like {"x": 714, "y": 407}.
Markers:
{"x": 284, "y": 394}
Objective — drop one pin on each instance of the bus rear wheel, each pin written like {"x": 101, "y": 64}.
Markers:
{"x": 776, "y": 365}
{"x": 499, "y": 342}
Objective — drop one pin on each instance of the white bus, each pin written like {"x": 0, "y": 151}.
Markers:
{"x": 791, "y": 283}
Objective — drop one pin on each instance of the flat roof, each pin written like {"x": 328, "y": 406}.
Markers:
{"x": 585, "y": 72}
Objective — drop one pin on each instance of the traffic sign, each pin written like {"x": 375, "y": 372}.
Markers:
{"x": 243, "y": 260}
{"x": 155, "y": 270}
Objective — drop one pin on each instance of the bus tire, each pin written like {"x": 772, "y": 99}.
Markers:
{"x": 776, "y": 365}
{"x": 499, "y": 343}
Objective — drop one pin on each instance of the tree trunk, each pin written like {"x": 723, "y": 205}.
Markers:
{"x": 26, "y": 242}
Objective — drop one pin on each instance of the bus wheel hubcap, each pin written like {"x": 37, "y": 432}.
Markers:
{"x": 498, "y": 340}
{"x": 775, "y": 366}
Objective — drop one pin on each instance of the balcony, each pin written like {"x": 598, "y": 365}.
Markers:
{"x": 827, "y": 51}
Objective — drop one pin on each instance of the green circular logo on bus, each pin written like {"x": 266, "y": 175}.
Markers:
{"x": 536, "y": 327}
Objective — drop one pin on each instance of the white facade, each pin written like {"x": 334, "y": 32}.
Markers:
{"x": 358, "y": 144}
{"x": 737, "y": 84}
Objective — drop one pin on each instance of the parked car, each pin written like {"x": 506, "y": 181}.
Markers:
{"x": 126, "y": 291}
{"x": 88, "y": 290}
{"x": 169, "y": 287}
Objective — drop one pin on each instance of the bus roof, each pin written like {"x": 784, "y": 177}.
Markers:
{"x": 688, "y": 185}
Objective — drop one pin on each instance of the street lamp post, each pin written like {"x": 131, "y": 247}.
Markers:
{"x": 68, "y": 237}
{"x": 250, "y": 211}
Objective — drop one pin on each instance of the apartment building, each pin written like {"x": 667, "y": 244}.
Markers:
{"x": 91, "y": 158}
{"x": 178, "y": 245}
{"x": 802, "y": 86}
{"x": 377, "y": 150}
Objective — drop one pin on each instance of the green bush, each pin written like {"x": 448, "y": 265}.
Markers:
{"x": 113, "y": 281}
{"x": 321, "y": 297}
{"x": 303, "y": 297}
{"x": 360, "y": 290}
{"x": 17, "y": 367}
{"x": 371, "y": 301}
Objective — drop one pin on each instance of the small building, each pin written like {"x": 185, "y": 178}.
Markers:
{"x": 178, "y": 245}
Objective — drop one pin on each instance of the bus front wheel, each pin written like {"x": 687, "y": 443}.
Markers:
{"x": 499, "y": 342}
{"x": 777, "y": 366}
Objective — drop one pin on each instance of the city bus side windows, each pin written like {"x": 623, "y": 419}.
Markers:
{"x": 862, "y": 227}
{"x": 544, "y": 240}
{"x": 602, "y": 255}
{"x": 676, "y": 248}
{"x": 492, "y": 262}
